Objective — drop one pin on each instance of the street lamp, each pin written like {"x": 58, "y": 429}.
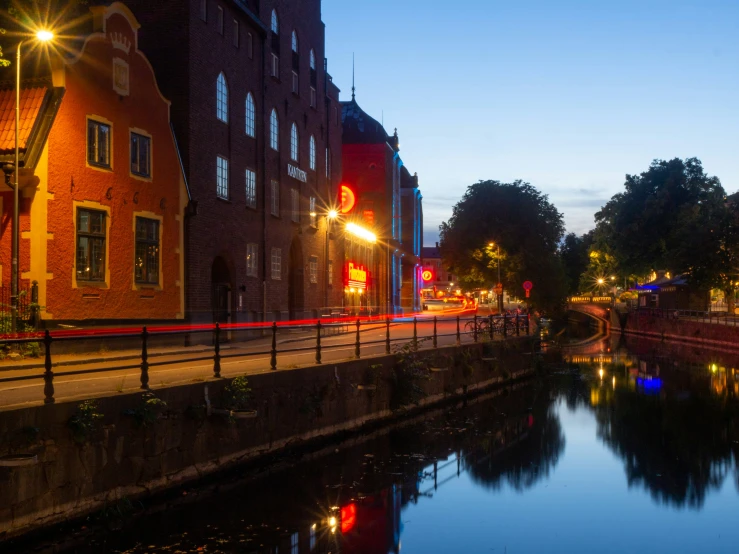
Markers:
{"x": 330, "y": 216}
{"x": 500, "y": 296}
{"x": 42, "y": 36}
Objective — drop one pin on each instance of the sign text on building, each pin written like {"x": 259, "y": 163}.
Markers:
{"x": 296, "y": 173}
{"x": 356, "y": 276}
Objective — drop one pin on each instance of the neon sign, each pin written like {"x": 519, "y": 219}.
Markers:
{"x": 347, "y": 199}
{"x": 356, "y": 276}
{"x": 427, "y": 275}
{"x": 348, "y": 517}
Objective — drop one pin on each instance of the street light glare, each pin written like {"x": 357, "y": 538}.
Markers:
{"x": 44, "y": 36}
{"x": 333, "y": 214}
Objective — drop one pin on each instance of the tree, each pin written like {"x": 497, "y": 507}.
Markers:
{"x": 674, "y": 217}
{"x": 574, "y": 253}
{"x": 521, "y": 222}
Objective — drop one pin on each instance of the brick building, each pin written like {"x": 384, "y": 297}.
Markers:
{"x": 102, "y": 191}
{"x": 258, "y": 123}
{"x": 373, "y": 169}
{"x": 431, "y": 262}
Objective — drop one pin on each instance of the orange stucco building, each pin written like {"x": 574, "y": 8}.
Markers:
{"x": 103, "y": 196}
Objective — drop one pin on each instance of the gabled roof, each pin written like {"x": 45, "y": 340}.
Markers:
{"x": 359, "y": 127}
{"x": 39, "y": 104}
{"x": 430, "y": 252}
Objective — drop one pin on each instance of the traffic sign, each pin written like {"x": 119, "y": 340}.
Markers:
{"x": 527, "y": 286}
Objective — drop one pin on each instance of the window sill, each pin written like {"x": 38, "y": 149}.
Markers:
{"x": 226, "y": 200}
{"x": 91, "y": 284}
{"x": 252, "y": 208}
{"x": 276, "y": 216}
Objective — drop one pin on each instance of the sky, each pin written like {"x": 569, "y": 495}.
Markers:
{"x": 568, "y": 95}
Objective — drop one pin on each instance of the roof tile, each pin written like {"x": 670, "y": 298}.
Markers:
{"x": 30, "y": 105}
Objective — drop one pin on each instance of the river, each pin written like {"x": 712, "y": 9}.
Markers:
{"x": 634, "y": 451}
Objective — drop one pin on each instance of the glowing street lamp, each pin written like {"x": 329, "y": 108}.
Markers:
{"x": 43, "y": 35}
{"x": 331, "y": 215}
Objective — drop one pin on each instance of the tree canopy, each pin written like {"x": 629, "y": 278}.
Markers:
{"x": 519, "y": 220}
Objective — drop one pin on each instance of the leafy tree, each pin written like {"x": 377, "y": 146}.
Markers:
{"x": 574, "y": 254}
{"x": 674, "y": 217}
{"x": 521, "y": 223}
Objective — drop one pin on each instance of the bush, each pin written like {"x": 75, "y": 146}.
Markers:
{"x": 85, "y": 422}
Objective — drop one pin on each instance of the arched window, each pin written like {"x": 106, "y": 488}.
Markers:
{"x": 294, "y": 142}
{"x": 312, "y": 59}
{"x": 274, "y": 130}
{"x": 295, "y": 41}
{"x": 250, "y": 116}
{"x": 275, "y": 23}
{"x": 222, "y": 98}
{"x": 312, "y": 153}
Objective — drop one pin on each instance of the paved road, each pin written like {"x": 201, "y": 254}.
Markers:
{"x": 101, "y": 378}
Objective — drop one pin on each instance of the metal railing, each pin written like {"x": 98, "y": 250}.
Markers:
{"x": 716, "y": 318}
{"x": 470, "y": 329}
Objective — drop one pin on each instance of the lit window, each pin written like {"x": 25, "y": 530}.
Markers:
{"x": 312, "y": 208}
{"x": 275, "y": 198}
{"x": 140, "y": 155}
{"x": 295, "y": 205}
{"x": 147, "y": 251}
{"x": 275, "y": 28}
{"x": 220, "y": 20}
{"x": 312, "y": 153}
{"x": 91, "y": 235}
{"x": 313, "y": 268}
{"x": 276, "y": 264}
{"x": 328, "y": 163}
{"x": 330, "y": 272}
{"x": 251, "y": 128}
{"x": 312, "y": 59}
{"x": 294, "y": 543}
{"x": 294, "y": 143}
{"x": 274, "y": 131}
{"x": 295, "y": 42}
{"x": 251, "y": 188}
{"x": 252, "y": 259}
{"x": 222, "y": 177}
{"x": 236, "y": 33}
{"x": 98, "y": 143}
{"x": 222, "y": 98}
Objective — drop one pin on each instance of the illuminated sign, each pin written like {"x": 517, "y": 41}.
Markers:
{"x": 427, "y": 275}
{"x": 296, "y": 173}
{"x": 356, "y": 276}
{"x": 348, "y": 517}
{"x": 347, "y": 199}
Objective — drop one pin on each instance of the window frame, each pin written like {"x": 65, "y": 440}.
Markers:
{"x": 250, "y": 111}
{"x": 274, "y": 130}
{"x": 91, "y": 236}
{"x": 276, "y": 264}
{"x": 149, "y": 242}
{"x": 330, "y": 273}
{"x": 312, "y": 212}
{"x": 235, "y": 40}
{"x": 312, "y": 152}
{"x": 220, "y": 21}
{"x": 313, "y": 97}
{"x": 252, "y": 259}
{"x": 222, "y": 172}
{"x": 274, "y": 198}
{"x": 313, "y": 269}
{"x": 99, "y": 123}
{"x": 250, "y": 45}
{"x": 222, "y": 98}
{"x": 275, "y": 72}
{"x": 294, "y": 143}
{"x": 140, "y": 134}
{"x": 251, "y": 188}
{"x": 274, "y": 23}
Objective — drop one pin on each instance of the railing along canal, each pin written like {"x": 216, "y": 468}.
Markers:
{"x": 467, "y": 329}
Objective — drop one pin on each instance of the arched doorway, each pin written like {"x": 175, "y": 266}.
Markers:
{"x": 220, "y": 277}
{"x": 295, "y": 295}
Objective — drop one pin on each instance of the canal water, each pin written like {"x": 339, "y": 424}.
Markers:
{"x": 634, "y": 451}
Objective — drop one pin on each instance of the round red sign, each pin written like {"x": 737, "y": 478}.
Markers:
{"x": 527, "y": 285}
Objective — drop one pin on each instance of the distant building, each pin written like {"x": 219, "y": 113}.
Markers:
{"x": 673, "y": 293}
{"x": 102, "y": 192}
{"x": 412, "y": 243}
{"x": 432, "y": 265}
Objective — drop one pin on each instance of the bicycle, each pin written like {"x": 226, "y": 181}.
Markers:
{"x": 483, "y": 326}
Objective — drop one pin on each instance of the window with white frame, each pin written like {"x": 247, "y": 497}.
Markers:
{"x": 313, "y": 214}
{"x": 295, "y": 205}
{"x": 222, "y": 98}
{"x": 276, "y": 264}
{"x": 251, "y": 188}
{"x": 294, "y": 143}
{"x": 275, "y": 198}
{"x": 251, "y": 123}
{"x": 222, "y": 177}
{"x": 274, "y": 130}
{"x": 313, "y": 268}
{"x": 91, "y": 235}
{"x": 140, "y": 155}
{"x": 98, "y": 144}
{"x": 312, "y": 153}
{"x": 220, "y": 20}
{"x": 252, "y": 259}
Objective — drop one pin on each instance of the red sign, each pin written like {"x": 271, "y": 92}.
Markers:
{"x": 356, "y": 276}
{"x": 527, "y": 286}
{"x": 348, "y": 517}
{"x": 427, "y": 275}
{"x": 347, "y": 199}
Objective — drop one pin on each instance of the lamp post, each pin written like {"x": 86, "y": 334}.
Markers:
{"x": 500, "y": 296}
{"x": 330, "y": 217}
{"x": 42, "y": 36}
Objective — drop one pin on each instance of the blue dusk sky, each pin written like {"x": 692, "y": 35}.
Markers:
{"x": 568, "y": 95}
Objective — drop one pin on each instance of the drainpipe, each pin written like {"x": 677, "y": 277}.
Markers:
{"x": 261, "y": 138}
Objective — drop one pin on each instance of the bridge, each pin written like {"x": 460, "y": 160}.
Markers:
{"x": 597, "y": 308}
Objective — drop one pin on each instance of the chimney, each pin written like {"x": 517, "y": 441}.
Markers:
{"x": 437, "y": 245}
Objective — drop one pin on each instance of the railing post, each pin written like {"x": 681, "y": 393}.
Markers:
{"x": 474, "y": 332}
{"x": 415, "y": 330}
{"x": 318, "y": 342}
{"x": 387, "y": 335}
{"x": 505, "y": 325}
{"x": 528, "y": 323}
{"x": 48, "y": 375}
{"x": 435, "y": 341}
{"x": 217, "y": 352}
{"x": 490, "y": 330}
{"x": 273, "y": 353}
{"x": 518, "y": 331}
{"x": 357, "y": 344}
{"x": 144, "y": 360}
{"x": 459, "y": 337}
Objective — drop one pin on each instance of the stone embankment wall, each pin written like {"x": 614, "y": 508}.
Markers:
{"x": 676, "y": 329}
{"x": 136, "y": 449}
